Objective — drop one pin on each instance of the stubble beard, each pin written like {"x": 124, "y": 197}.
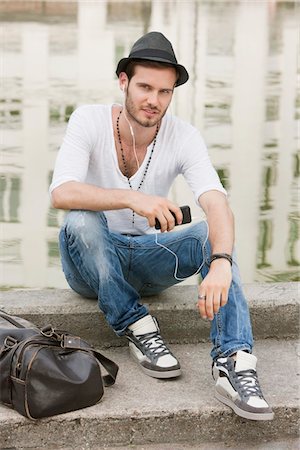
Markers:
{"x": 132, "y": 112}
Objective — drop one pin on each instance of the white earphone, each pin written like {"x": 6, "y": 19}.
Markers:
{"x": 123, "y": 89}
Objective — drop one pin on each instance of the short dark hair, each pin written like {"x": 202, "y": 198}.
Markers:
{"x": 130, "y": 68}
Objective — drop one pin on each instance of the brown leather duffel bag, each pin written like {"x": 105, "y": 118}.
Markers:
{"x": 44, "y": 372}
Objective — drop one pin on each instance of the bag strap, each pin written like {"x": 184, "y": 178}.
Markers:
{"x": 76, "y": 343}
{"x": 110, "y": 366}
{"x": 11, "y": 319}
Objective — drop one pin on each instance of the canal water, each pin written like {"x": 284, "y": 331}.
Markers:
{"x": 242, "y": 95}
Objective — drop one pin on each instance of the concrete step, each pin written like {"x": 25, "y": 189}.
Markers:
{"x": 274, "y": 309}
{"x": 139, "y": 410}
{"x": 286, "y": 444}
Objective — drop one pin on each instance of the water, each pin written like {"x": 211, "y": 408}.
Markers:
{"x": 242, "y": 94}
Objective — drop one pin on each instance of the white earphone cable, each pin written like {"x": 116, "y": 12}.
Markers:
{"x": 131, "y": 131}
{"x": 176, "y": 257}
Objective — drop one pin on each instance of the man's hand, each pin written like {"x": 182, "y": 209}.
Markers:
{"x": 155, "y": 207}
{"x": 213, "y": 291}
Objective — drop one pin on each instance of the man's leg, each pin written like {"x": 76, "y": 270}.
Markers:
{"x": 234, "y": 367}
{"x": 154, "y": 268}
{"x": 231, "y": 328}
{"x": 92, "y": 268}
{"x": 96, "y": 264}
{"x": 165, "y": 259}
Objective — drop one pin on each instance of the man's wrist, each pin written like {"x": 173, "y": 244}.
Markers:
{"x": 218, "y": 256}
{"x": 131, "y": 198}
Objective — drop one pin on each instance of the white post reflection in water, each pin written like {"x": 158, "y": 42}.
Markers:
{"x": 248, "y": 118}
{"x": 34, "y": 199}
{"x": 189, "y": 99}
{"x": 199, "y": 65}
{"x": 184, "y": 42}
{"x": 158, "y": 19}
{"x": 286, "y": 147}
{"x": 85, "y": 74}
{"x": 95, "y": 47}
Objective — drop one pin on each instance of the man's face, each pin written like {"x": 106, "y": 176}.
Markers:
{"x": 149, "y": 94}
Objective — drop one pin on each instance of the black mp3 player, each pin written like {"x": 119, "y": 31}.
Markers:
{"x": 186, "y": 213}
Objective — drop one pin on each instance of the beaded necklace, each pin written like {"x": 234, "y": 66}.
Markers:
{"x": 124, "y": 160}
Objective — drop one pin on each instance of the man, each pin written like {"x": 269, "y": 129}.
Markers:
{"x": 113, "y": 171}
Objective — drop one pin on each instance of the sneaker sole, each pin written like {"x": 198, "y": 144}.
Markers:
{"x": 242, "y": 413}
{"x": 154, "y": 373}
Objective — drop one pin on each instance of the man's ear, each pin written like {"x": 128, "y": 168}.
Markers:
{"x": 123, "y": 81}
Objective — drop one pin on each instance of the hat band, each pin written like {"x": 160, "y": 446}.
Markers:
{"x": 150, "y": 52}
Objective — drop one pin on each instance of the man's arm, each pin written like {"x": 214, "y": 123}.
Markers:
{"x": 216, "y": 284}
{"x": 76, "y": 195}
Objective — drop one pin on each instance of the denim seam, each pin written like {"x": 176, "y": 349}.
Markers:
{"x": 129, "y": 265}
{"x": 219, "y": 327}
{"x": 154, "y": 245}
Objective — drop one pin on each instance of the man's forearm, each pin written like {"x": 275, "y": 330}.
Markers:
{"x": 221, "y": 231}
{"x": 220, "y": 221}
{"x": 75, "y": 195}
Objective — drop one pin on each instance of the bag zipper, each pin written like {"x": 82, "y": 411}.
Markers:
{"x": 24, "y": 346}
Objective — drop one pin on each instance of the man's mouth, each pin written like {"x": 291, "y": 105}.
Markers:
{"x": 150, "y": 112}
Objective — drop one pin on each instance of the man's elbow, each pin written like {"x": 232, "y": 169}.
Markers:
{"x": 57, "y": 199}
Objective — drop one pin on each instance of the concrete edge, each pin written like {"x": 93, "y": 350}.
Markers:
{"x": 210, "y": 425}
{"x": 140, "y": 409}
{"x": 274, "y": 310}
{"x": 180, "y": 296}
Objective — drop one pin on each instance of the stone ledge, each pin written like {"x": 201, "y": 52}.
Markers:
{"x": 141, "y": 410}
{"x": 274, "y": 312}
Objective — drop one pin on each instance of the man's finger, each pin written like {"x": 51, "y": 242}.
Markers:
{"x": 178, "y": 214}
{"x": 224, "y": 297}
{"x": 217, "y": 301}
{"x": 201, "y": 305}
{"x": 163, "y": 222}
{"x": 171, "y": 220}
{"x": 209, "y": 305}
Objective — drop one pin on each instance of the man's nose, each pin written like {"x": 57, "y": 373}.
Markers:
{"x": 152, "y": 98}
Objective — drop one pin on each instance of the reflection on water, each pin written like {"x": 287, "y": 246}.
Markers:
{"x": 242, "y": 95}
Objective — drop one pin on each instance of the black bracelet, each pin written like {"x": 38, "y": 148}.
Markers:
{"x": 221, "y": 255}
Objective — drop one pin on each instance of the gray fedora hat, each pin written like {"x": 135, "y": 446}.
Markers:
{"x": 154, "y": 46}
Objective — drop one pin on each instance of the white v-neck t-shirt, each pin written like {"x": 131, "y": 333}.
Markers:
{"x": 88, "y": 155}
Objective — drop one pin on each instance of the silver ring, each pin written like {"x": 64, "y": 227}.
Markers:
{"x": 201, "y": 297}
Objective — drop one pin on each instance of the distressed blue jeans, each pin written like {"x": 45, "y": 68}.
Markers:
{"x": 118, "y": 269}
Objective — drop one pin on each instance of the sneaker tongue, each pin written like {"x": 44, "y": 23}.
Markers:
{"x": 245, "y": 361}
{"x": 143, "y": 326}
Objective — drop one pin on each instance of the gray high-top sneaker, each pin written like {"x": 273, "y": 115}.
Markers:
{"x": 148, "y": 348}
{"x": 237, "y": 386}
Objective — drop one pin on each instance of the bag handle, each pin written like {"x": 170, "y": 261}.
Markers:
{"x": 76, "y": 343}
